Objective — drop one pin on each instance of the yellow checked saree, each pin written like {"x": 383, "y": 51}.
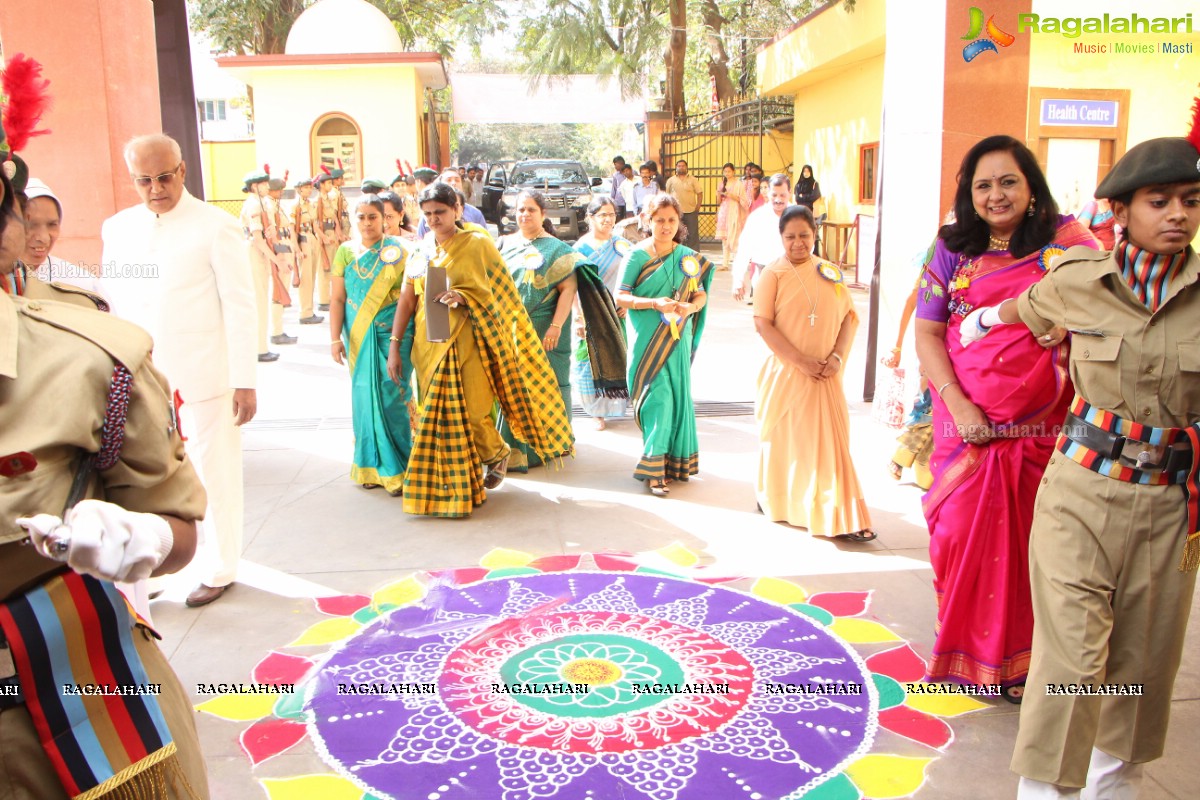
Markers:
{"x": 492, "y": 354}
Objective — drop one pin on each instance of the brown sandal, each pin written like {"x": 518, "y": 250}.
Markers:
{"x": 867, "y": 535}
{"x": 658, "y": 488}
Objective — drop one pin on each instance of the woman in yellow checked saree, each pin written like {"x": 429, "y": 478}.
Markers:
{"x": 367, "y": 281}
{"x": 665, "y": 287}
{"x": 491, "y": 355}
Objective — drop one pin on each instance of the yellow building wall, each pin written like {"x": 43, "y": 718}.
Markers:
{"x": 832, "y": 64}
{"x": 225, "y": 165}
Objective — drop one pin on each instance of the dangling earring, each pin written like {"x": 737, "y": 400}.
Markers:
{"x": 976, "y": 214}
{"x": 1032, "y": 204}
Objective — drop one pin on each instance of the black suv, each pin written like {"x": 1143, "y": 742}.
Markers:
{"x": 565, "y": 185}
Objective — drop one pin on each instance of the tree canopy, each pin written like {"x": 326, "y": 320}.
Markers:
{"x": 635, "y": 42}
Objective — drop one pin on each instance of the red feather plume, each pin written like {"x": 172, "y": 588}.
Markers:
{"x": 1194, "y": 133}
{"x": 285, "y": 175}
{"x": 399, "y": 167}
{"x": 340, "y": 164}
{"x": 409, "y": 165}
{"x": 26, "y": 100}
{"x": 325, "y": 169}
{"x": 267, "y": 169}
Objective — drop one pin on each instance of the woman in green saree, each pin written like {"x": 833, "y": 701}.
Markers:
{"x": 665, "y": 287}
{"x": 549, "y": 275}
{"x": 543, "y": 269}
{"x": 367, "y": 281}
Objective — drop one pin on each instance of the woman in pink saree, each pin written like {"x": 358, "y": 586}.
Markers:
{"x": 997, "y": 411}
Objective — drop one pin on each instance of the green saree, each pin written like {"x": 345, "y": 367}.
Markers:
{"x": 537, "y": 268}
{"x": 379, "y": 411}
{"x": 660, "y": 364}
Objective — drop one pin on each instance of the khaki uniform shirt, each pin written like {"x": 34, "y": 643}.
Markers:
{"x": 686, "y": 190}
{"x": 54, "y": 353}
{"x": 304, "y": 217}
{"x": 256, "y": 215}
{"x": 1145, "y": 367}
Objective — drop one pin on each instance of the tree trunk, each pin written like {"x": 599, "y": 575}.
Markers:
{"x": 718, "y": 58}
{"x": 674, "y": 59}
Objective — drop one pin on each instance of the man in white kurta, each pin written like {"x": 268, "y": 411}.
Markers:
{"x": 179, "y": 269}
{"x": 760, "y": 243}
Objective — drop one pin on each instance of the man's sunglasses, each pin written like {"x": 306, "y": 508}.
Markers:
{"x": 164, "y": 180}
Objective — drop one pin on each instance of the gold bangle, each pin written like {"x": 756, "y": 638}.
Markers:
{"x": 556, "y": 325}
{"x": 393, "y": 338}
{"x": 839, "y": 358}
{"x": 336, "y": 341}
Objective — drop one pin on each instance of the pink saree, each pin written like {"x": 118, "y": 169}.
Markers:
{"x": 980, "y": 506}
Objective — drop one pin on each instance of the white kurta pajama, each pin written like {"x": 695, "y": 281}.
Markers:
{"x": 184, "y": 277}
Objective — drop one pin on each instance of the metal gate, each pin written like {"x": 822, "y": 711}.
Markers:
{"x": 750, "y": 129}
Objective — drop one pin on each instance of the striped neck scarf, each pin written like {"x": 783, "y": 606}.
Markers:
{"x": 1149, "y": 274}
{"x": 14, "y": 282}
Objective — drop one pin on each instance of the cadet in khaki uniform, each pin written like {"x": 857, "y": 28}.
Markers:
{"x": 254, "y": 224}
{"x": 304, "y": 222}
{"x": 144, "y": 499}
{"x": 1116, "y": 531}
{"x": 329, "y": 218}
{"x": 284, "y": 247}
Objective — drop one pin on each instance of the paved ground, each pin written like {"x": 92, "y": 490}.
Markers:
{"x": 309, "y": 530}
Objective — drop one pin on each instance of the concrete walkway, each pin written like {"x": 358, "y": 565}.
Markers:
{"x": 310, "y": 531}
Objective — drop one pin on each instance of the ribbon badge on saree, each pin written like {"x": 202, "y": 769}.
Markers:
{"x": 390, "y": 254}
{"x": 672, "y": 320}
{"x": 622, "y": 246}
{"x": 1049, "y": 255}
{"x": 691, "y": 268}
{"x": 532, "y": 262}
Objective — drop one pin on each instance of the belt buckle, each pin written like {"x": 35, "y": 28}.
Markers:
{"x": 1143, "y": 455}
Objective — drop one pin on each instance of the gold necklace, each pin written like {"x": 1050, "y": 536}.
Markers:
{"x": 812, "y": 306}
{"x": 997, "y": 244}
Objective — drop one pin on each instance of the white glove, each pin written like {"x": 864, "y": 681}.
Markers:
{"x": 976, "y": 325}
{"x": 103, "y": 540}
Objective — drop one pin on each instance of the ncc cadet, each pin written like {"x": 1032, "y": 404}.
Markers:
{"x": 1116, "y": 531}
{"x": 284, "y": 246}
{"x": 329, "y": 218}
{"x": 373, "y": 186}
{"x": 304, "y": 217}
{"x": 100, "y": 491}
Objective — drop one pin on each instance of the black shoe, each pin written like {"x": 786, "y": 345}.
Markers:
{"x": 323, "y": 307}
{"x": 283, "y": 338}
{"x": 313, "y": 320}
{"x": 265, "y": 357}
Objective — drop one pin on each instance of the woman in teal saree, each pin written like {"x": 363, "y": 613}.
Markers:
{"x": 367, "y": 281}
{"x": 548, "y": 274}
{"x": 665, "y": 287}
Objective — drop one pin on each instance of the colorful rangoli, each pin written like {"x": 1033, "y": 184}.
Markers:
{"x": 529, "y": 679}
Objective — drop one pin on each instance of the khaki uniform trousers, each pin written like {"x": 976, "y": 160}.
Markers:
{"x": 26, "y": 772}
{"x": 214, "y": 445}
{"x": 309, "y": 264}
{"x": 270, "y": 313}
{"x": 324, "y": 276}
{"x": 1110, "y": 606}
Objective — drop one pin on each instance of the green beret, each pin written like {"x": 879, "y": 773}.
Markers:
{"x": 373, "y": 186}
{"x": 399, "y": 178}
{"x": 425, "y": 175}
{"x": 303, "y": 182}
{"x": 277, "y": 184}
{"x": 1171, "y": 159}
{"x": 336, "y": 173}
{"x": 257, "y": 176}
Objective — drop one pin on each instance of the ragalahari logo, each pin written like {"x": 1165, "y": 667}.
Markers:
{"x": 994, "y": 36}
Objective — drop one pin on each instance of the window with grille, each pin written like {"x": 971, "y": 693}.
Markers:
{"x": 867, "y": 155}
